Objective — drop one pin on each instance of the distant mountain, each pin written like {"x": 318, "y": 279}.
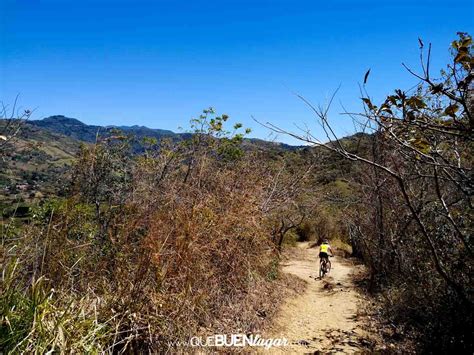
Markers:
{"x": 76, "y": 129}
{"x": 269, "y": 145}
{"x": 37, "y": 161}
{"x": 72, "y": 127}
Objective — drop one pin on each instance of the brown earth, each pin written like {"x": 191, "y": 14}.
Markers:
{"x": 326, "y": 317}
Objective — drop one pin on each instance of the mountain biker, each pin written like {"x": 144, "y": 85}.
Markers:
{"x": 324, "y": 250}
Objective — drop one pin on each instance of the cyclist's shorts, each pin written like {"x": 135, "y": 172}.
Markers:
{"x": 323, "y": 255}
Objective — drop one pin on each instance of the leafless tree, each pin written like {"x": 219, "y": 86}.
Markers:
{"x": 11, "y": 121}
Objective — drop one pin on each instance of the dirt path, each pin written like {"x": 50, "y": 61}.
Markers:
{"x": 323, "y": 318}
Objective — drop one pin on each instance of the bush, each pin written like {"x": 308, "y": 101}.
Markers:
{"x": 34, "y": 318}
{"x": 160, "y": 246}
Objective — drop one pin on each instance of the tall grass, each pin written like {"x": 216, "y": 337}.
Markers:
{"x": 34, "y": 318}
{"x": 145, "y": 251}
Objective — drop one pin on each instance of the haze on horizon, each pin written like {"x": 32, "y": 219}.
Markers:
{"x": 159, "y": 63}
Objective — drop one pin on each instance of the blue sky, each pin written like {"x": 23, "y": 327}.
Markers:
{"x": 159, "y": 63}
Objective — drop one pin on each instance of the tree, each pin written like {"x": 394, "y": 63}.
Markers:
{"x": 420, "y": 190}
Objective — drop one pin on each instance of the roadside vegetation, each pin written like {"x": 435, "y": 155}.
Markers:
{"x": 146, "y": 249}
{"x": 142, "y": 244}
{"x": 411, "y": 217}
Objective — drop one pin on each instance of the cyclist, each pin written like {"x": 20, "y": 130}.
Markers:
{"x": 324, "y": 250}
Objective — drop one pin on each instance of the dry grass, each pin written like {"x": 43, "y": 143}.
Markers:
{"x": 167, "y": 246}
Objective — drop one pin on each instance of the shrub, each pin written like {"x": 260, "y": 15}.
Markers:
{"x": 159, "y": 247}
{"x": 35, "y": 318}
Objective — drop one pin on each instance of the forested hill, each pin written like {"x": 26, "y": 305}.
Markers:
{"x": 74, "y": 128}
{"x": 43, "y": 151}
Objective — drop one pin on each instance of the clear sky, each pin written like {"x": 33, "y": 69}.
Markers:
{"x": 159, "y": 63}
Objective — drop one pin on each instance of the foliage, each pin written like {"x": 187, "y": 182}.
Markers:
{"x": 424, "y": 250}
{"x": 412, "y": 219}
{"x": 35, "y": 319}
{"x": 408, "y": 202}
{"x": 146, "y": 248}
{"x": 158, "y": 238}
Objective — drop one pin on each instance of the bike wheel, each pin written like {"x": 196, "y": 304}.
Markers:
{"x": 322, "y": 270}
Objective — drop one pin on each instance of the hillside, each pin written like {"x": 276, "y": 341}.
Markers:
{"x": 76, "y": 129}
{"x": 34, "y": 163}
{"x": 136, "y": 218}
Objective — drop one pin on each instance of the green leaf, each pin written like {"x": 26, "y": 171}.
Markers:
{"x": 416, "y": 102}
{"x": 462, "y": 56}
{"x": 368, "y": 103}
{"x": 392, "y": 99}
{"x": 451, "y": 110}
{"x": 466, "y": 42}
{"x": 386, "y": 108}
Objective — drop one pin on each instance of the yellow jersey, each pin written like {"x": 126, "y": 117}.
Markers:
{"x": 324, "y": 248}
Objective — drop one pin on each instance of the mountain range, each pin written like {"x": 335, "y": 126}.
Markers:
{"x": 72, "y": 127}
{"x": 36, "y": 162}
{"x": 75, "y": 129}
{"x": 33, "y": 164}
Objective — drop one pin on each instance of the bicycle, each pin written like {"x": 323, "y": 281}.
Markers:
{"x": 324, "y": 267}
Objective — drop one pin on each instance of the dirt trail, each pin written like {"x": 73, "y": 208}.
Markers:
{"x": 324, "y": 317}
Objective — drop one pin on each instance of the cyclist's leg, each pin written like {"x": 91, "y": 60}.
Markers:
{"x": 321, "y": 265}
{"x": 326, "y": 263}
